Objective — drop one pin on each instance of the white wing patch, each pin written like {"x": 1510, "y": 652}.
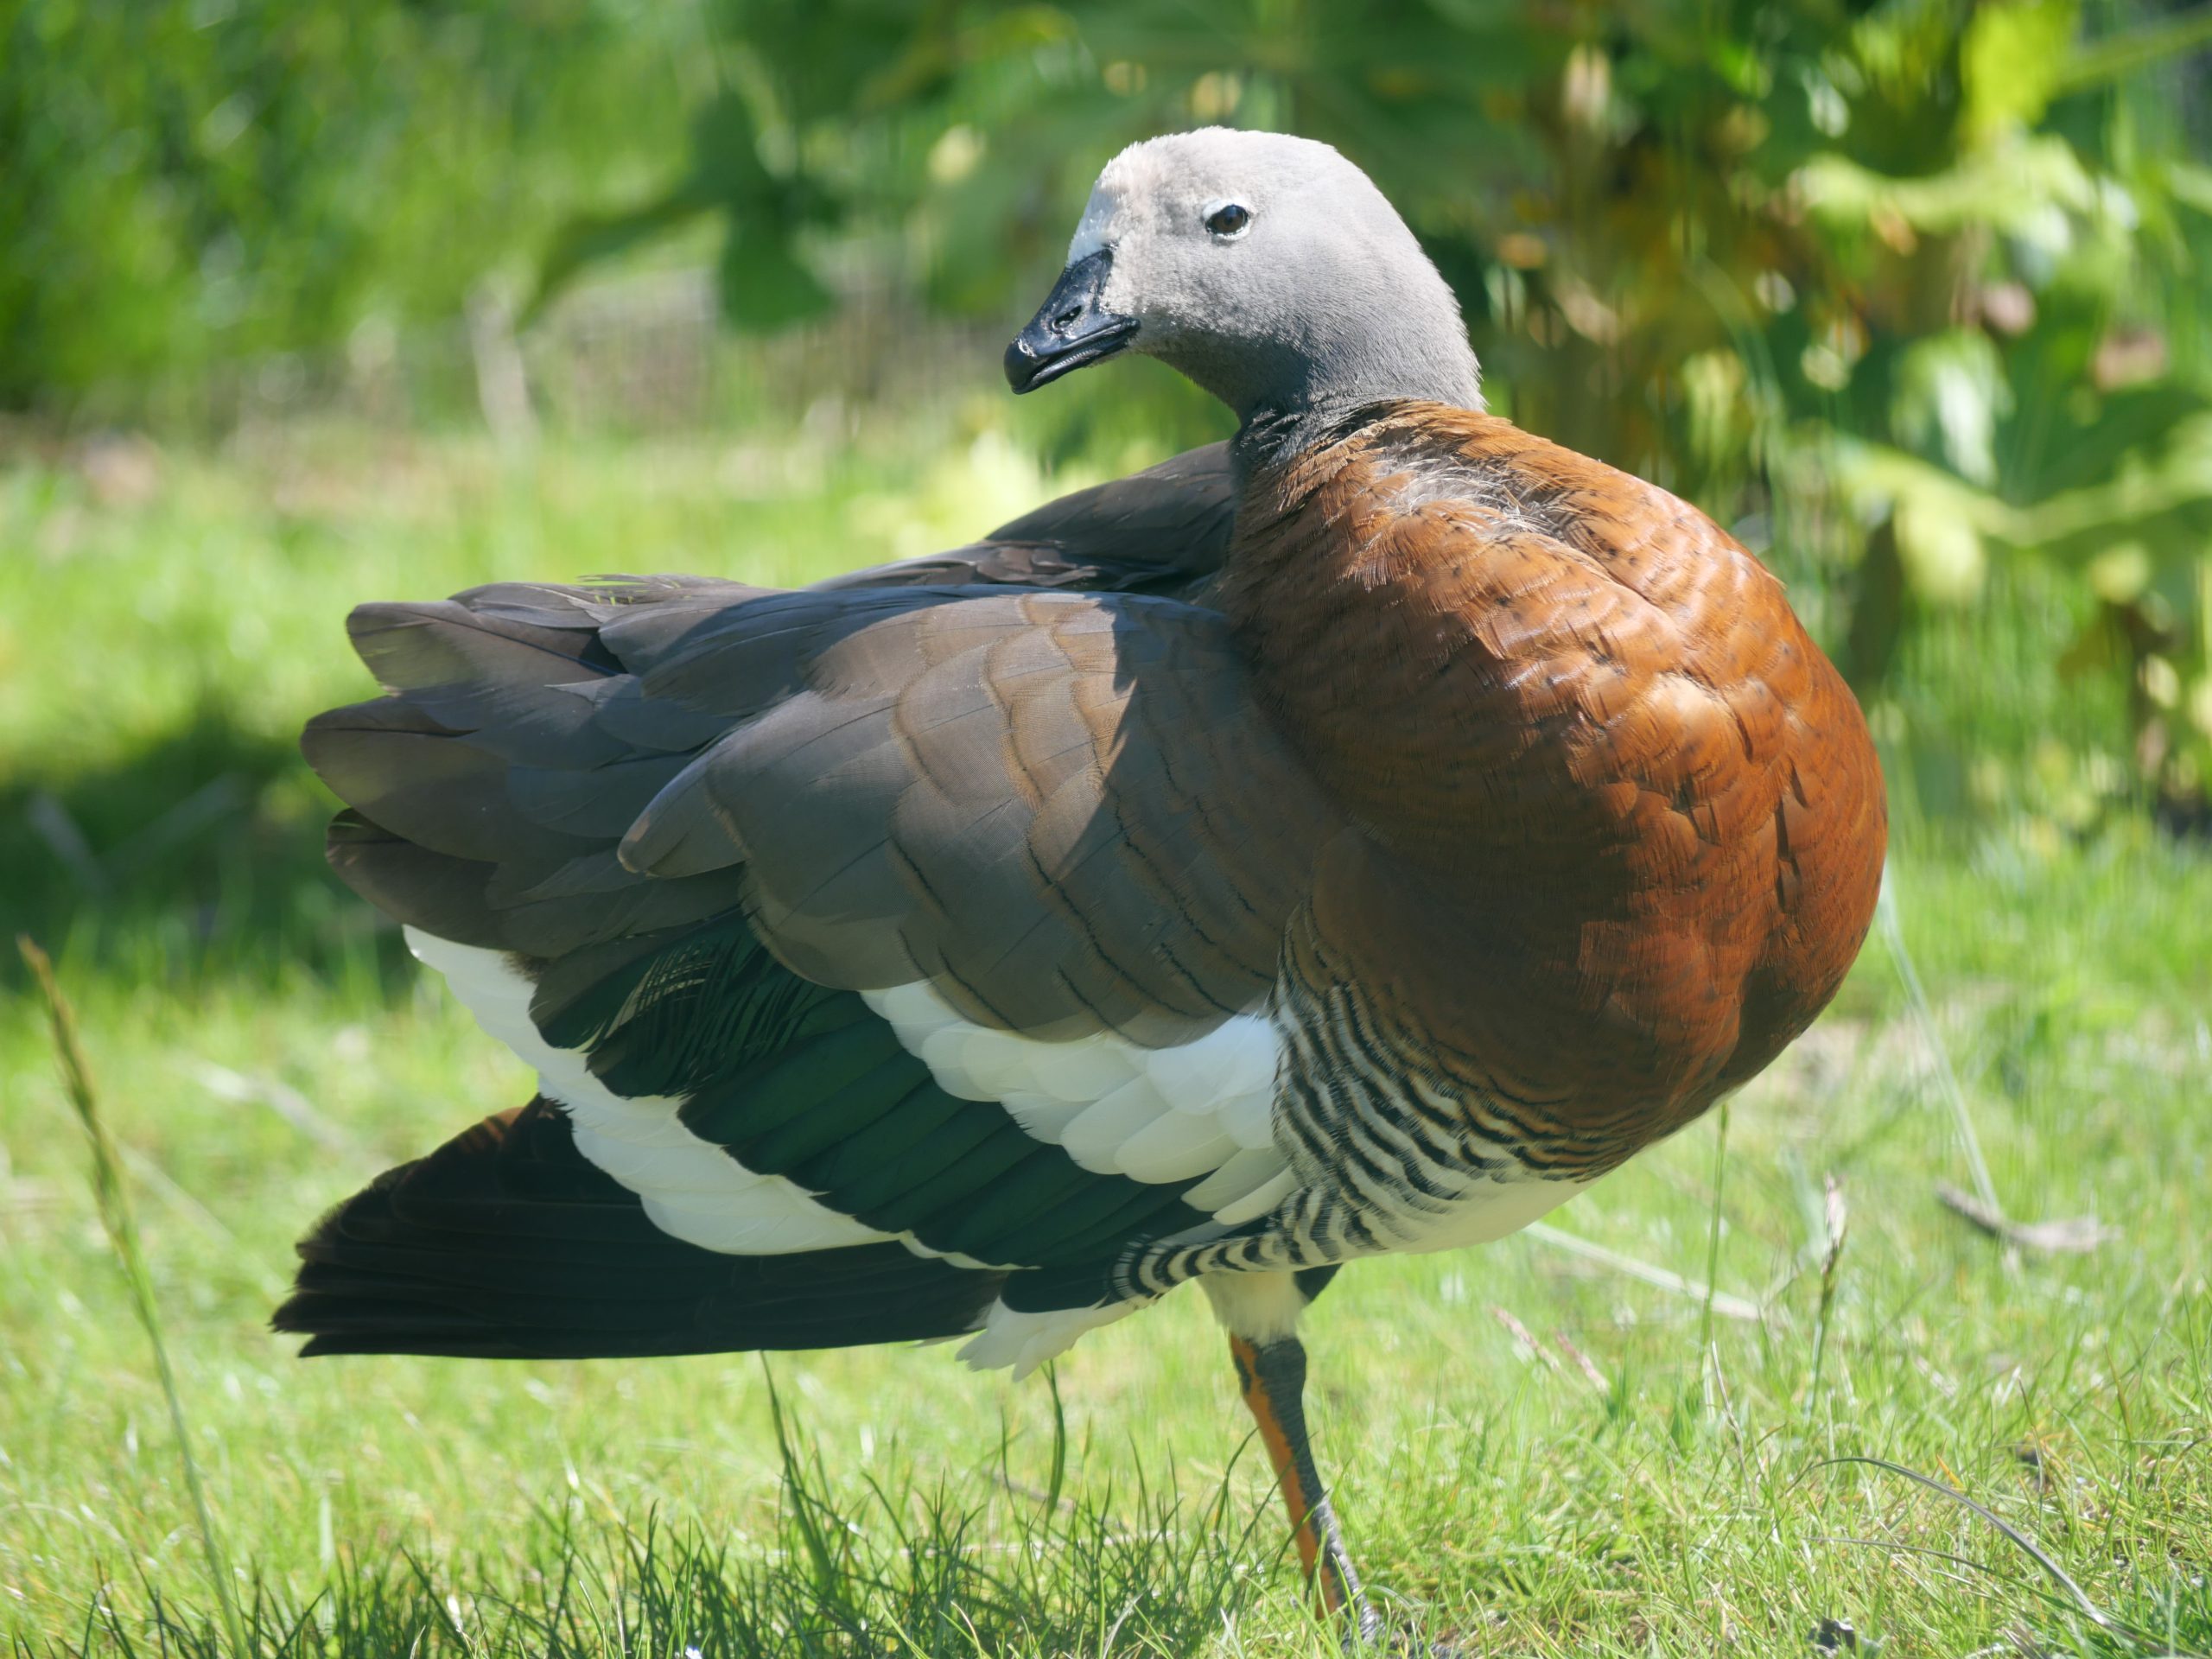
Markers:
{"x": 691, "y": 1188}
{"x": 1204, "y": 1108}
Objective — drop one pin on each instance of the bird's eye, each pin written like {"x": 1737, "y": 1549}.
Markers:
{"x": 1228, "y": 219}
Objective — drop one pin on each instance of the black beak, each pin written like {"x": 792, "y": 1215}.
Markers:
{"x": 1070, "y": 329}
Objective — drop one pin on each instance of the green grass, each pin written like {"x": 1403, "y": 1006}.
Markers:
{"x": 1531, "y": 1454}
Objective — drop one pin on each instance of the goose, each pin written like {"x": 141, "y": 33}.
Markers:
{"x": 1357, "y": 838}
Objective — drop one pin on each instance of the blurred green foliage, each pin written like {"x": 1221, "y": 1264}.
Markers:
{"x": 1912, "y": 294}
{"x": 189, "y": 181}
{"x": 1901, "y": 290}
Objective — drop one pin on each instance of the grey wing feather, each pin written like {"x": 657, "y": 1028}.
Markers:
{"x": 1065, "y": 809}
{"x": 1162, "y": 531}
{"x": 1062, "y": 807}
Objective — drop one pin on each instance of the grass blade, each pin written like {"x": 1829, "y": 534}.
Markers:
{"x": 1720, "y": 1301}
{"x": 2035, "y": 1552}
{"x": 1924, "y": 1017}
{"x": 1059, "y": 1439}
{"x": 113, "y": 1197}
{"x": 1712, "y": 1242}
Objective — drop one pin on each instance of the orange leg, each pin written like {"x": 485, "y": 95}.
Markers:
{"x": 1272, "y": 1376}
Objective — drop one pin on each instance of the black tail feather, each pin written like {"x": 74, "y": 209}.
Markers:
{"x": 506, "y": 1244}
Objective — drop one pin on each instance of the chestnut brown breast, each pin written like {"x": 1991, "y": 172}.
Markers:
{"x": 1618, "y": 825}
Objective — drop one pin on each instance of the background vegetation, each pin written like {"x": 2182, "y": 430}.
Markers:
{"x": 1912, "y": 292}
{"x": 189, "y": 181}
{"x": 301, "y": 305}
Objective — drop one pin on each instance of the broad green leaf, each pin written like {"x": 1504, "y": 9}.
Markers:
{"x": 1945, "y": 561}
{"x": 2012, "y": 60}
{"x": 2005, "y": 187}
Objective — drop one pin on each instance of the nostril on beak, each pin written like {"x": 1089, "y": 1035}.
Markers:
{"x": 1072, "y": 327}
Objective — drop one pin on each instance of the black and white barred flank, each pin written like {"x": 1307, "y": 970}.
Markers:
{"x": 1389, "y": 1151}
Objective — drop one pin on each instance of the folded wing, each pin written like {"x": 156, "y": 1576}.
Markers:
{"x": 938, "y": 914}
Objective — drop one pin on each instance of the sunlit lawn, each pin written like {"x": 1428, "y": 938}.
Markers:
{"x": 1533, "y": 1452}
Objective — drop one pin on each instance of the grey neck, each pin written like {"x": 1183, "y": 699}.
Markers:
{"x": 1277, "y": 421}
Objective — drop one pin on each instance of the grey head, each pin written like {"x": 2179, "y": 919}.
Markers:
{"x": 1269, "y": 270}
